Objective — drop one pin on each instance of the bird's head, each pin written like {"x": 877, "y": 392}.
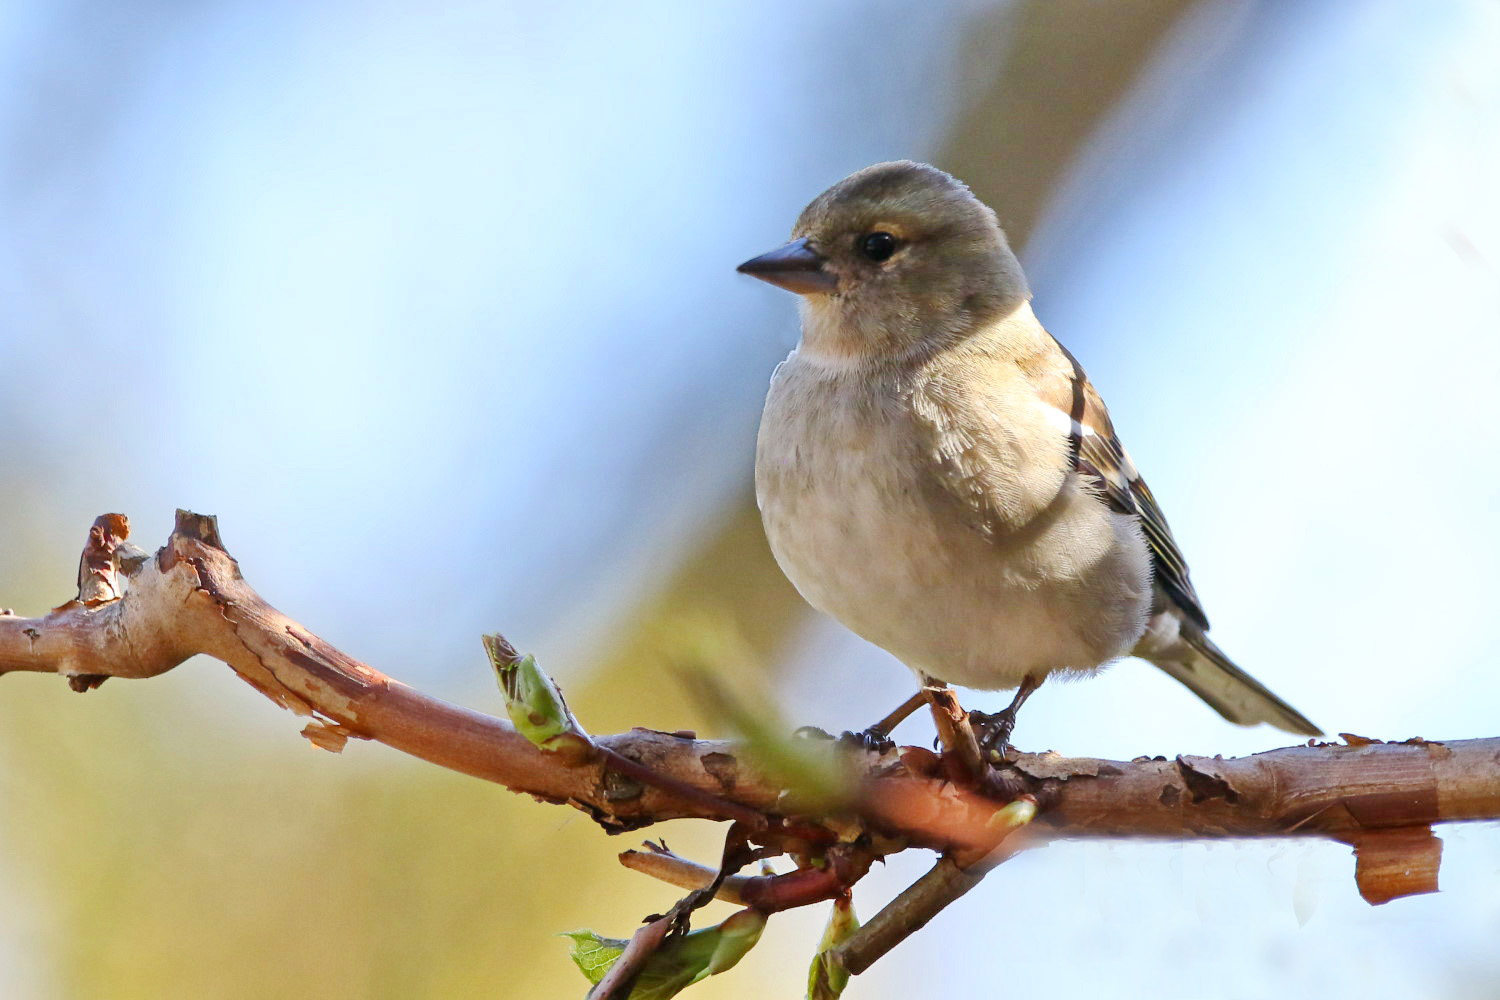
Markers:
{"x": 892, "y": 261}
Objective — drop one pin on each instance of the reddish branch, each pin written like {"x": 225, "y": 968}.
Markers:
{"x": 139, "y": 616}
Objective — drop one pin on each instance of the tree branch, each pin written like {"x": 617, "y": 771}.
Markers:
{"x": 138, "y": 616}
{"x": 908, "y": 913}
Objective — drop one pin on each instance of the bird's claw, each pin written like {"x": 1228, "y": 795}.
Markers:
{"x": 993, "y": 730}
{"x": 874, "y": 740}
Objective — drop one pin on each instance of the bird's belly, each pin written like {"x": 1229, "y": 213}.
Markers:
{"x": 949, "y": 601}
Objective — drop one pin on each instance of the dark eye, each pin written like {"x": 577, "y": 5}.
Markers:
{"x": 877, "y": 246}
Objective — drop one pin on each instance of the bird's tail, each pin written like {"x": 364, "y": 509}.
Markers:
{"x": 1195, "y": 661}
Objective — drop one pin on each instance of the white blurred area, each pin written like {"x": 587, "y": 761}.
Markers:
{"x": 437, "y": 312}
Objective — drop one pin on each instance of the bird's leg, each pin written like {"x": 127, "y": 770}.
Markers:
{"x": 903, "y": 712}
{"x": 878, "y": 736}
{"x": 995, "y": 729}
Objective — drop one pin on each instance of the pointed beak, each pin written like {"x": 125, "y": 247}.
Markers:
{"x": 795, "y": 267}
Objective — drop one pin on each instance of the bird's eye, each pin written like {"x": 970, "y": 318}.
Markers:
{"x": 877, "y": 246}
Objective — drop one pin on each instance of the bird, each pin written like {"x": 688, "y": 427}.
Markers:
{"x": 936, "y": 471}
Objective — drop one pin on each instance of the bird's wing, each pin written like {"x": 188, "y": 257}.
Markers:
{"x": 1096, "y": 452}
{"x": 995, "y": 487}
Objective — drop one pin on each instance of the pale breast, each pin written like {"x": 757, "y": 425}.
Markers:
{"x": 868, "y": 532}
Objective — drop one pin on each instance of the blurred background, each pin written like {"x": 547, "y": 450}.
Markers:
{"x": 434, "y": 306}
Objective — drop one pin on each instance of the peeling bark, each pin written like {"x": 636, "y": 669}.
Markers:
{"x": 1389, "y": 864}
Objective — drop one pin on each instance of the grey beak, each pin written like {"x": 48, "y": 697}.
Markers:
{"x": 795, "y": 267}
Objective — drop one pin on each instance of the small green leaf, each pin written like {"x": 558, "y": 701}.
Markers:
{"x": 534, "y": 704}
{"x": 679, "y": 962}
{"x": 593, "y": 954}
{"x": 828, "y": 977}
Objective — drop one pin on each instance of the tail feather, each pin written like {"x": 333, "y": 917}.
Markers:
{"x": 1207, "y": 672}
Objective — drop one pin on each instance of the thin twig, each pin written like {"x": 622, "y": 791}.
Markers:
{"x": 767, "y": 893}
{"x": 950, "y": 878}
{"x": 906, "y": 914}
{"x": 683, "y": 873}
{"x": 643, "y": 944}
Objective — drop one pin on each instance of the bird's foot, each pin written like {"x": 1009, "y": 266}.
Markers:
{"x": 993, "y": 731}
{"x": 874, "y": 739}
